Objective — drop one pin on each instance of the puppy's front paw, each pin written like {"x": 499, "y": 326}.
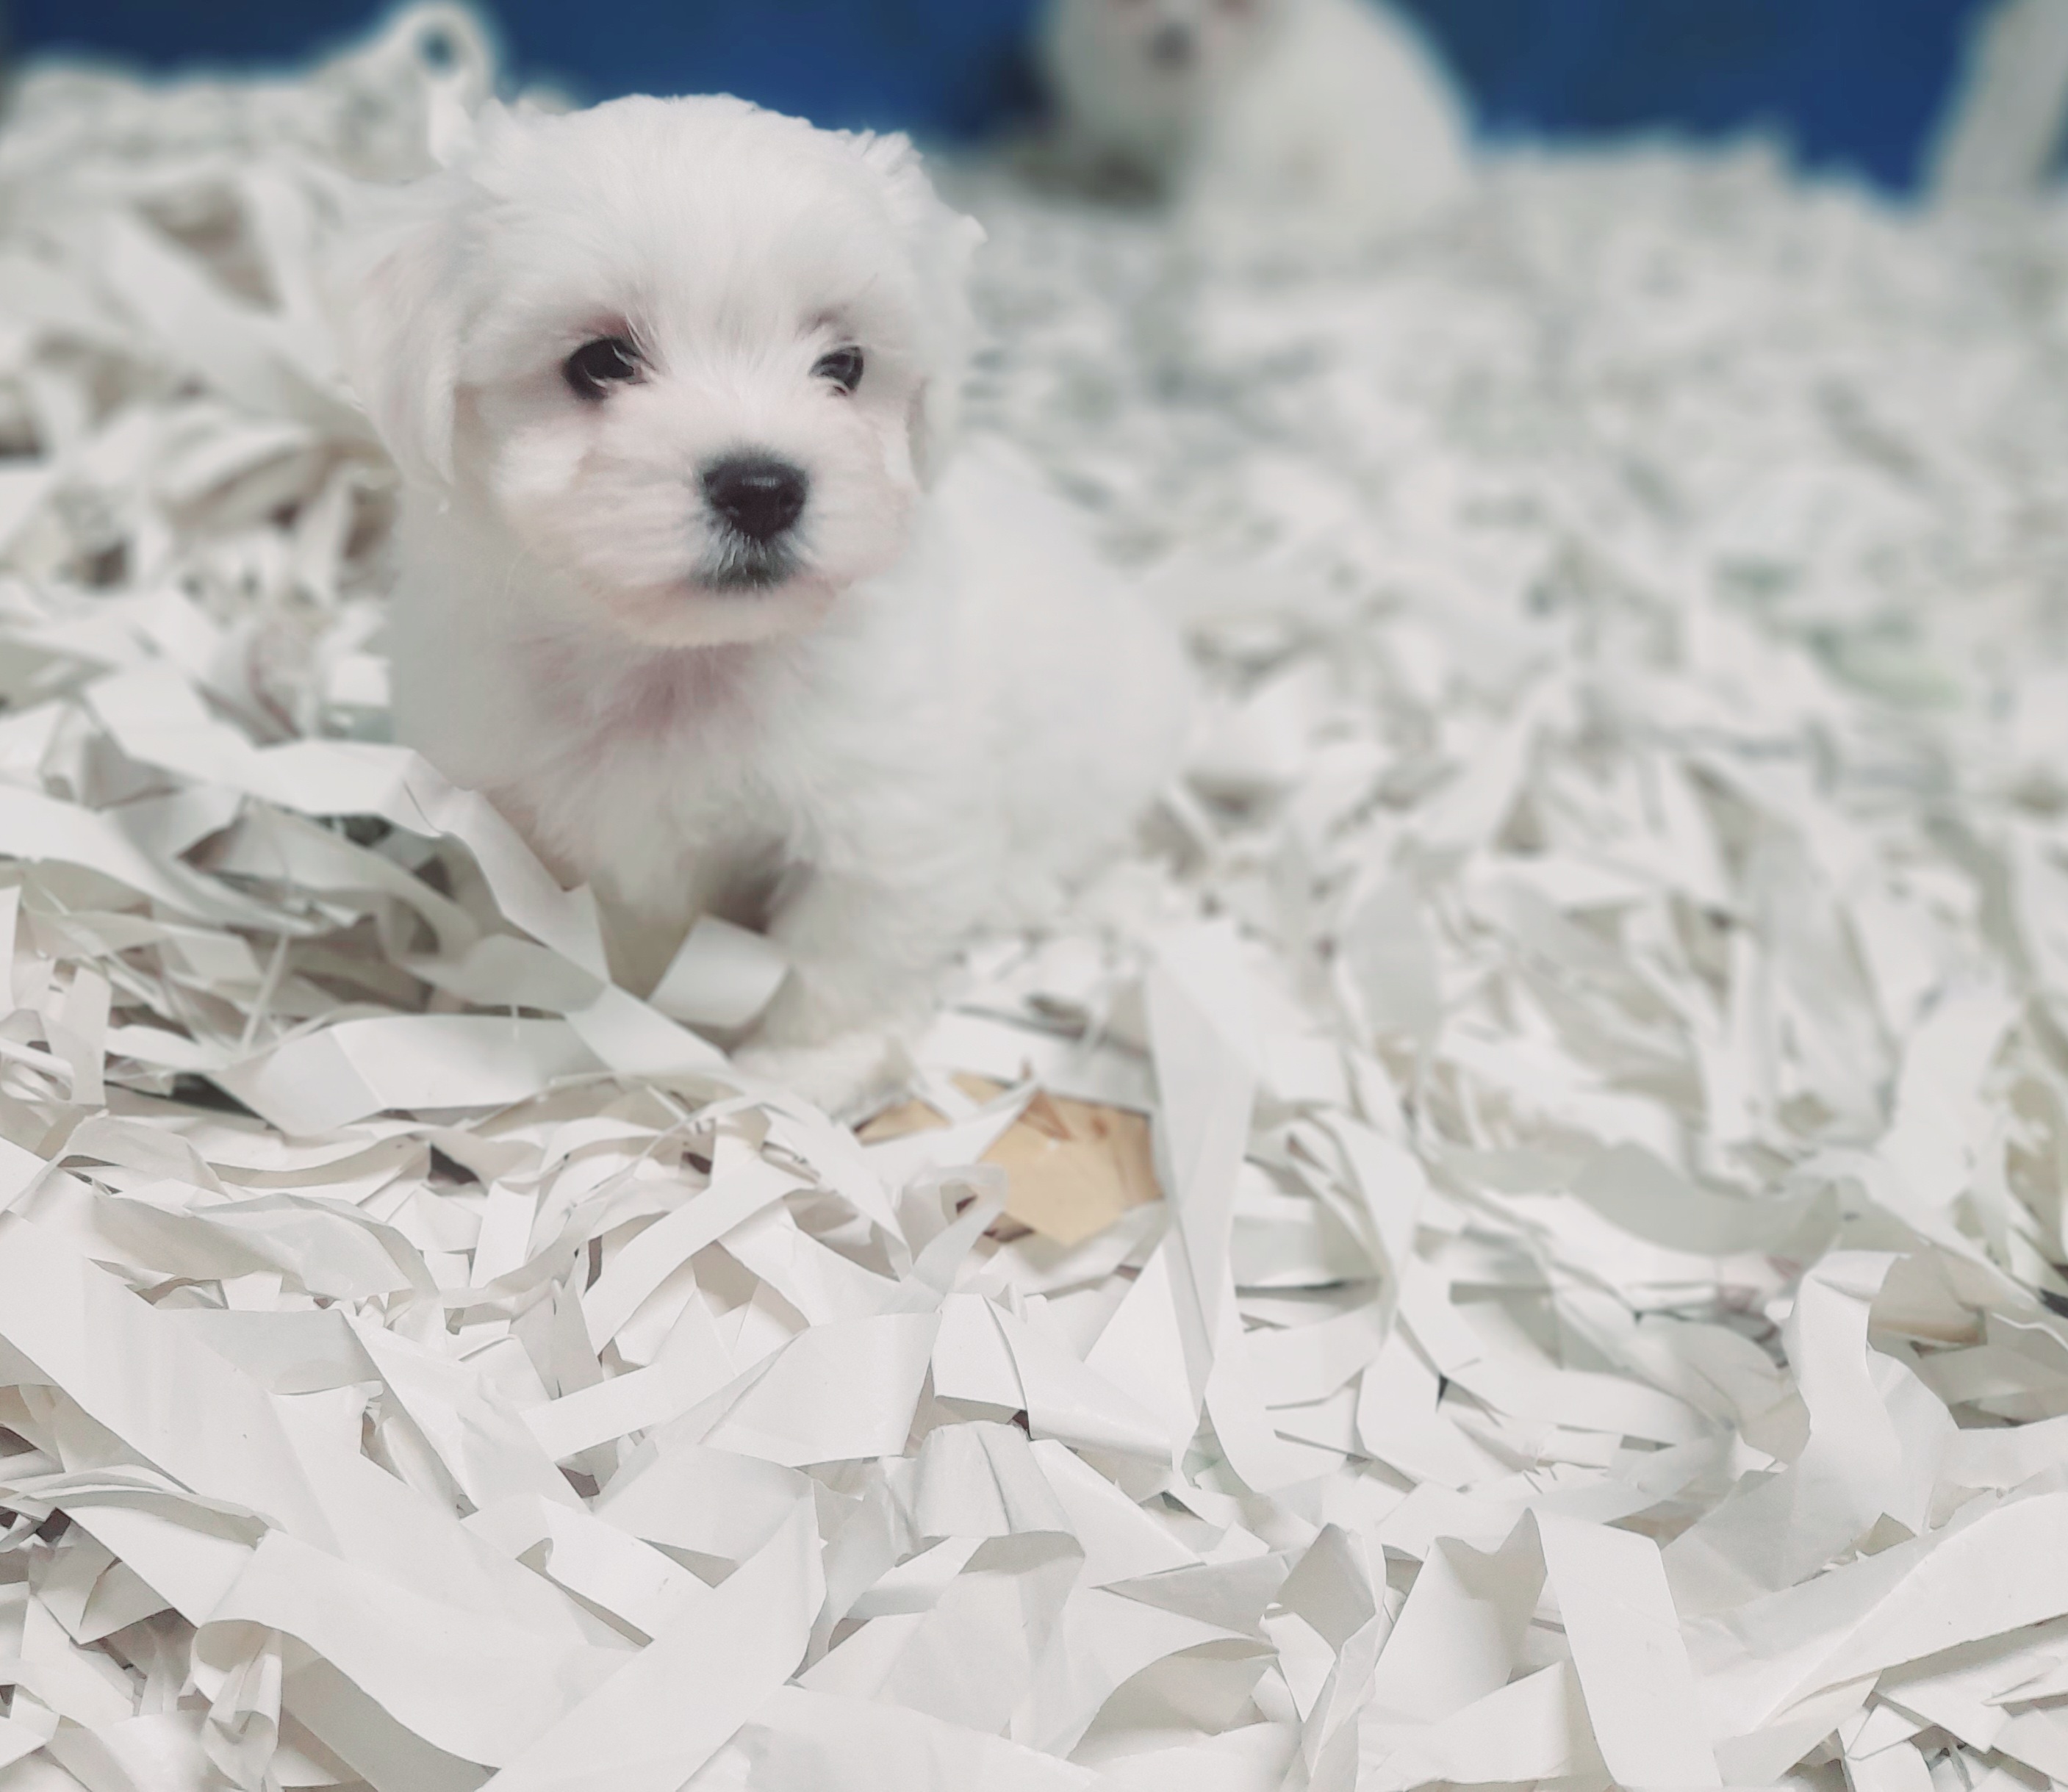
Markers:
{"x": 845, "y": 1077}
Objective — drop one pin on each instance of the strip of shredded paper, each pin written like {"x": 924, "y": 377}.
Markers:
{"x": 1601, "y": 997}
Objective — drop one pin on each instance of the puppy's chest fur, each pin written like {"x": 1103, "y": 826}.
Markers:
{"x": 667, "y": 787}
{"x": 683, "y": 781}
{"x": 686, "y": 782}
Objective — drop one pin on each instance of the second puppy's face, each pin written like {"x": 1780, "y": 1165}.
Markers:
{"x": 1179, "y": 46}
{"x": 697, "y": 360}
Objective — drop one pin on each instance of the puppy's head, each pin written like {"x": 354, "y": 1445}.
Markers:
{"x": 696, "y": 360}
{"x": 1178, "y": 48}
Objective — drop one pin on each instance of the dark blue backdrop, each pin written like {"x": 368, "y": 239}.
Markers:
{"x": 1855, "y": 82}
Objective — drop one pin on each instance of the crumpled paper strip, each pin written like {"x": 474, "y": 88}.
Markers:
{"x": 1597, "y": 1001}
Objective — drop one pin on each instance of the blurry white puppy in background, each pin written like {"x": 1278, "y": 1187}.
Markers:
{"x": 1325, "y": 120}
{"x": 691, "y": 584}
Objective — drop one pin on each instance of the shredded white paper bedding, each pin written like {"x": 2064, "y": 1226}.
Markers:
{"x": 1602, "y": 994}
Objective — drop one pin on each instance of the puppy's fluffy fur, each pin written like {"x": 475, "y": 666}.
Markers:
{"x": 1329, "y": 120}
{"x": 917, "y": 707}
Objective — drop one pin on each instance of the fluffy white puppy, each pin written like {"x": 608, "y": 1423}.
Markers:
{"x": 1330, "y": 119}
{"x": 688, "y": 586}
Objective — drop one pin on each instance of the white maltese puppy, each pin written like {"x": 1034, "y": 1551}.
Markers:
{"x": 689, "y": 585}
{"x": 1329, "y": 120}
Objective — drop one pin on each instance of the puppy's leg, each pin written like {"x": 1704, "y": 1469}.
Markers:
{"x": 864, "y": 954}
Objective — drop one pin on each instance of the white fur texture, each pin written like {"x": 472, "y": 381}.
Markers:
{"x": 1330, "y": 119}
{"x": 935, "y": 710}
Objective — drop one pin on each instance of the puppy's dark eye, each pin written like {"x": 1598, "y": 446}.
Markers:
{"x": 607, "y": 361}
{"x": 844, "y": 367}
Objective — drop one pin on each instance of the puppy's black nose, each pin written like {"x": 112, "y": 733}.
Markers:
{"x": 1173, "y": 47}
{"x": 758, "y": 495}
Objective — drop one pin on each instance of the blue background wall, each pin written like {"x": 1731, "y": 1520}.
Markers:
{"x": 1855, "y": 82}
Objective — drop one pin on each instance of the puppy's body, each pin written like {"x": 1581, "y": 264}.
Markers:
{"x": 689, "y": 585}
{"x": 961, "y": 734}
{"x": 1329, "y": 120}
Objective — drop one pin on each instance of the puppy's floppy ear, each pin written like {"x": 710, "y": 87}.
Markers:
{"x": 398, "y": 288}
{"x": 941, "y": 244}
